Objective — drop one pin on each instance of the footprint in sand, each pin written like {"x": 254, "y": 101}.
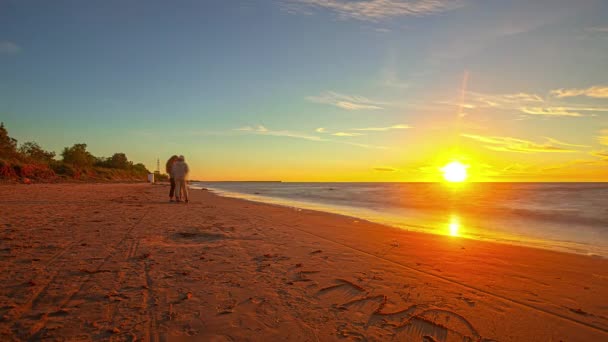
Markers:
{"x": 415, "y": 323}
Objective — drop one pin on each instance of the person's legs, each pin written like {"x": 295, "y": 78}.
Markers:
{"x": 172, "y": 191}
{"x": 185, "y": 189}
{"x": 178, "y": 189}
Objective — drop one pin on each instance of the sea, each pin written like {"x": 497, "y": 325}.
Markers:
{"x": 566, "y": 217}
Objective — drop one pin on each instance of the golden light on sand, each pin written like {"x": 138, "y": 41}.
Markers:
{"x": 455, "y": 172}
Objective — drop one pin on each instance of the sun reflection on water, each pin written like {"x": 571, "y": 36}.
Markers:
{"x": 454, "y": 225}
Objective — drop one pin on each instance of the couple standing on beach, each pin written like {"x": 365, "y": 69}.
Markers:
{"x": 177, "y": 169}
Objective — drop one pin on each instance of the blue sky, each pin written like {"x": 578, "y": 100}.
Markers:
{"x": 315, "y": 89}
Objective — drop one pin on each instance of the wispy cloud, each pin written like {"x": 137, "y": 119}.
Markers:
{"x": 529, "y": 104}
{"x": 354, "y": 132}
{"x": 501, "y": 100}
{"x": 372, "y": 10}
{"x": 603, "y": 138}
{"x": 601, "y": 154}
{"x": 347, "y": 102}
{"x": 262, "y": 130}
{"x": 509, "y": 144}
{"x": 550, "y": 111}
{"x": 598, "y": 91}
{"x": 385, "y": 169}
{"x": 347, "y": 134}
{"x": 558, "y": 142}
{"x": 9, "y": 48}
{"x": 381, "y": 129}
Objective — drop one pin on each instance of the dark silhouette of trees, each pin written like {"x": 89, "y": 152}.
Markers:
{"x": 8, "y": 145}
{"x": 78, "y": 156}
{"x": 30, "y": 161}
{"x": 119, "y": 161}
{"x": 32, "y": 151}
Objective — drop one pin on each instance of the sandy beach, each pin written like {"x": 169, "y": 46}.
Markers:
{"x": 119, "y": 262}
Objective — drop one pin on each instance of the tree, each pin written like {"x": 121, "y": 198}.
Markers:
{"x": 8, "y": 145}
{"x": 78, "y": 156}
{"x": 119, "y": 161}
{"x": 140, "y": 169}
{"x": 34, "y": 152}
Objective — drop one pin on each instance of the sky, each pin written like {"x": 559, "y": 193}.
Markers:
{"x": 315, "y": 90}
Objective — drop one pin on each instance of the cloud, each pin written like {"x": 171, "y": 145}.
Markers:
{"x": 262, "y": 130}
{"x": 372, "y": 10}
{"x": 557, "y": 142}
{"x": 603, "y": 138}
{"x": 501, "y": 100}
{"x": 550, "y": 111}
{"x": 9, "y": 48}
{"x": 347, "y": 134}
{"x": 384, "y": 169}
{"x": 244, "y": 129}
{"x": 346, "y": 101}
{"x": 509, "y": 144}
{"x": 597, "y": 91}
{"x": 381, "y": 129}
{"x": 601, "y": 154}
{"x": 528, "y": 104}
{"x": 354, "y": 132}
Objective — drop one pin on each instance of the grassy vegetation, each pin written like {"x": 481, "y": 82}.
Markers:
{"x": 29, "y": 163}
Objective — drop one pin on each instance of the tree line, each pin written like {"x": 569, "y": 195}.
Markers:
{"x": 29, "y": 161}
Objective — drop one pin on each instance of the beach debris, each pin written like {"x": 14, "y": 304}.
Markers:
{"x": 84, "y": 270}
{"x": 188, "y": 296}
{"x": 579, "y": 311}
{"x": 145, "y": 256}
{"x": 299, "y": 265}
{"x": 316, "y": 252}
{"x": 114, "y": 330}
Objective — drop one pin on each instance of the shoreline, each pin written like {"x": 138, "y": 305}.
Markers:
{"x": 119, "y": 261}
{"x": 421, "y": 224}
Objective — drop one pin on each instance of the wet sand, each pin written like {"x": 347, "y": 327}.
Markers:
{"x": 119, "y": 262}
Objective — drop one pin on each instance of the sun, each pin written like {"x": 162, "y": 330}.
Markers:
{"x": 455, "y": 172}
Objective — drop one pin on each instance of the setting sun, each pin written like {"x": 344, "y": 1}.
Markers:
{"x": 455, "y": 172}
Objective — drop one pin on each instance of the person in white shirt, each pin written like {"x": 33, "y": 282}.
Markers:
{"x": 179, "y": 172}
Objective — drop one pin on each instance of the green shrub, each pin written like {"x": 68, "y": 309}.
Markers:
{"x": 32, "y": 151}
{"x": 78, "y": 156}
{"x": 63, "y": 169}
{"x": 8, "y": 145}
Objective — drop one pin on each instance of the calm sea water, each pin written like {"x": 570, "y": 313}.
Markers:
{"x": 571, "y": 217}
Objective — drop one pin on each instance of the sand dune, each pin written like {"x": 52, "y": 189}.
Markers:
{"x": 118, "y": 262}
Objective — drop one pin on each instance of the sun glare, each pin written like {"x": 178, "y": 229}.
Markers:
{"x": 454, "y": 226}
{"x": 455, "y": 172}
